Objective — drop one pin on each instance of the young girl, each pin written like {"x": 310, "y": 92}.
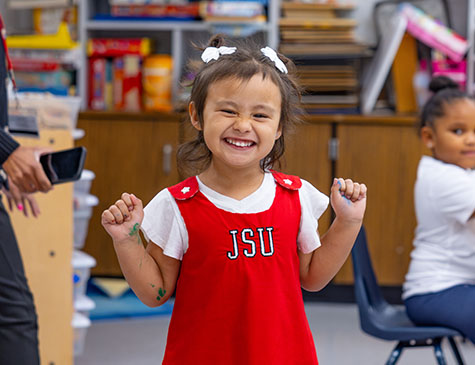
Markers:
{"x": 440, "y": 284}
{"x": 238, "y": 240}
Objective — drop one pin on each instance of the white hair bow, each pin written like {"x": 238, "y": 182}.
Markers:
{"x": 272, "y": 55}
{"x": 213, "y": 53}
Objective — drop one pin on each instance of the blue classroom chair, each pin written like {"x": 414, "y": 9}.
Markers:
{"x": 380, "y": 319}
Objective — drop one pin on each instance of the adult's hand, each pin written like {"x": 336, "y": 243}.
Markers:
{"x": 18, "y": 199}
{"x": 25, "y": 171}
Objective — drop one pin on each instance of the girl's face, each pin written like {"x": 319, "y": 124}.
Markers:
{"x": 240, "y": 121}
{"x": 452, "y": 139}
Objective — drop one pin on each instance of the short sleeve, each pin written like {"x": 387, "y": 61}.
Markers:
{"x": 454, "y": 194}
{"x": 313, "y": 203}
{"x": 164, "y": 225}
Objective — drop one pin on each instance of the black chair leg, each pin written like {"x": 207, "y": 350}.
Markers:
{"x": 393, "y": 358}
{"x": 439, "y": 354}
{"x": 455, "y": 350}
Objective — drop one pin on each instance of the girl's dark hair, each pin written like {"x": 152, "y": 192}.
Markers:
{"x": 247, "y": 61}
{"x": 445, "y": 91}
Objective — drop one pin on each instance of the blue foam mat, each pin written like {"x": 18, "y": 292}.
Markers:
{"x": 126, "y": 305}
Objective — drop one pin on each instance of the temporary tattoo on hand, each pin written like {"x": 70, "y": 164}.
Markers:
{"x": 135, "y": 229}
{"x": 161, "y": 293}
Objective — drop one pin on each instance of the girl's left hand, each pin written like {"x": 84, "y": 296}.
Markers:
{"x": 348, "y": 199}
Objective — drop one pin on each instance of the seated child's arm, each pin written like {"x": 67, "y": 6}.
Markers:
{"x": 151, "y": 274}
{"x": 317, "y": 268}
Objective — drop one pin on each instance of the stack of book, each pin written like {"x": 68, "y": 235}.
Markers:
{"x": 232, "y": 11}
{"x": 146, "y": 9}
{"x": 320, "y": 38}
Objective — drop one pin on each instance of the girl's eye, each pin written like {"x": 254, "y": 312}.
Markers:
{"x": 228, "y": 111}
{"x": 458, "y": 131}
{"x": 259, "y": 116}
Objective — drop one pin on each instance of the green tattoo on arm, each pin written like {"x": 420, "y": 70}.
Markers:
{"x": 135, "y": 231}
{"x": 161, "y": 293}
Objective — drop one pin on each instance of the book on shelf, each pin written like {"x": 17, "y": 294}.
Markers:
{"x": 180, "y": 11}
{"x": 28, "y": 64}
{"x": 241, "y": 9}
{"x": 235, "y": 19}
{"x": 316, "y": 23}
{"x": 329, "y": 82}
{"x": 112, "y": 47}
{"x": 31, "y": 4}
{"x": 316, "y": 36}
{"x": 300, "y": 9}
{"x": 326, "y": 70}
{"x": 147, "y": 2}
{"x": 349, "y": 110}
{"x": 342, "y": 99}
{"x": 324, "y": 49}
{"x": 97, "y": 82}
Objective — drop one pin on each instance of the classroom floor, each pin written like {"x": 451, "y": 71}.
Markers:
{"x": 338, "y": 339}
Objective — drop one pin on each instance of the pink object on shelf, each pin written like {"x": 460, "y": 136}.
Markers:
{"x": 452, "y": 69}
{"x": 457, "y": 71}
{"x": 434, "y": 34}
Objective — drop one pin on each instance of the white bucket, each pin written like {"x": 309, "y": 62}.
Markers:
{"x": 83, "y": 205}
{"x": 83, "y": 185}
{"x": 82, "y": 264}
{"x": 80, "y": 325}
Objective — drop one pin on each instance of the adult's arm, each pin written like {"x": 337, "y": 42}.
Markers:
{"x": 7, "y": 146}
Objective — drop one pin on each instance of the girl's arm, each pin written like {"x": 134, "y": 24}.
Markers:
{"x": 318, "y": 267}
{"x": 151, "y": 274}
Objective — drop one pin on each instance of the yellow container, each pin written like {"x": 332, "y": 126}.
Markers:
{"x": 157, "y": 82}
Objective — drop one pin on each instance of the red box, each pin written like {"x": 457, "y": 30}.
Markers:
{"x": 127, "y": 84}
{"x": 113, "y": 47}
{"x": 97, "y": 83}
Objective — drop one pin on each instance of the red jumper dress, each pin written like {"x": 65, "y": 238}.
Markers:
{"x": 238, "y": 297}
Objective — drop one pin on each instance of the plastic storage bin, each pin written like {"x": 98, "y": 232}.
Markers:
{"x": 83, "y": 205}
{"x": 80, "y": 325}
{"x": 83, "y": 304}
{"x": 83, "y": 185}
{"x": 82, "y": 264}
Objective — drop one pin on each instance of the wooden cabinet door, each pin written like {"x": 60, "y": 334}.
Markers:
{"x": 385, "y": 158}
{"x": 134, "y": 154}
{"x": 306, "y": 156}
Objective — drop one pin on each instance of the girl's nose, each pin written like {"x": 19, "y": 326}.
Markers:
{"x": 242, "y": 124}
{"x": 470, "y": 138}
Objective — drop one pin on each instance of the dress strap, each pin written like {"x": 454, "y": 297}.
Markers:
{"x": 290, "y": 182}
{"x": 185, "y": 190}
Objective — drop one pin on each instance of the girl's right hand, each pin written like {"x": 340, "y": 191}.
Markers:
{"x": 121, "y": 219}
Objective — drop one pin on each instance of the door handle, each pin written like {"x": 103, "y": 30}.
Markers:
{"x": 167, "y": 158}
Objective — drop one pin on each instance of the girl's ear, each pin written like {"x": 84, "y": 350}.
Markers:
{"x": 194, "y": 116}
{"x": 278, "y": 133}
{"x": 427, "y": 136}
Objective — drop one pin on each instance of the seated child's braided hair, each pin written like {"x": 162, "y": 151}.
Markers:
{"x": 444, "y": 91}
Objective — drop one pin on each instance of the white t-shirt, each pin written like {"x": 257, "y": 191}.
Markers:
{"x": 444, "y": 243}
{"x": 164, "y": 225}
